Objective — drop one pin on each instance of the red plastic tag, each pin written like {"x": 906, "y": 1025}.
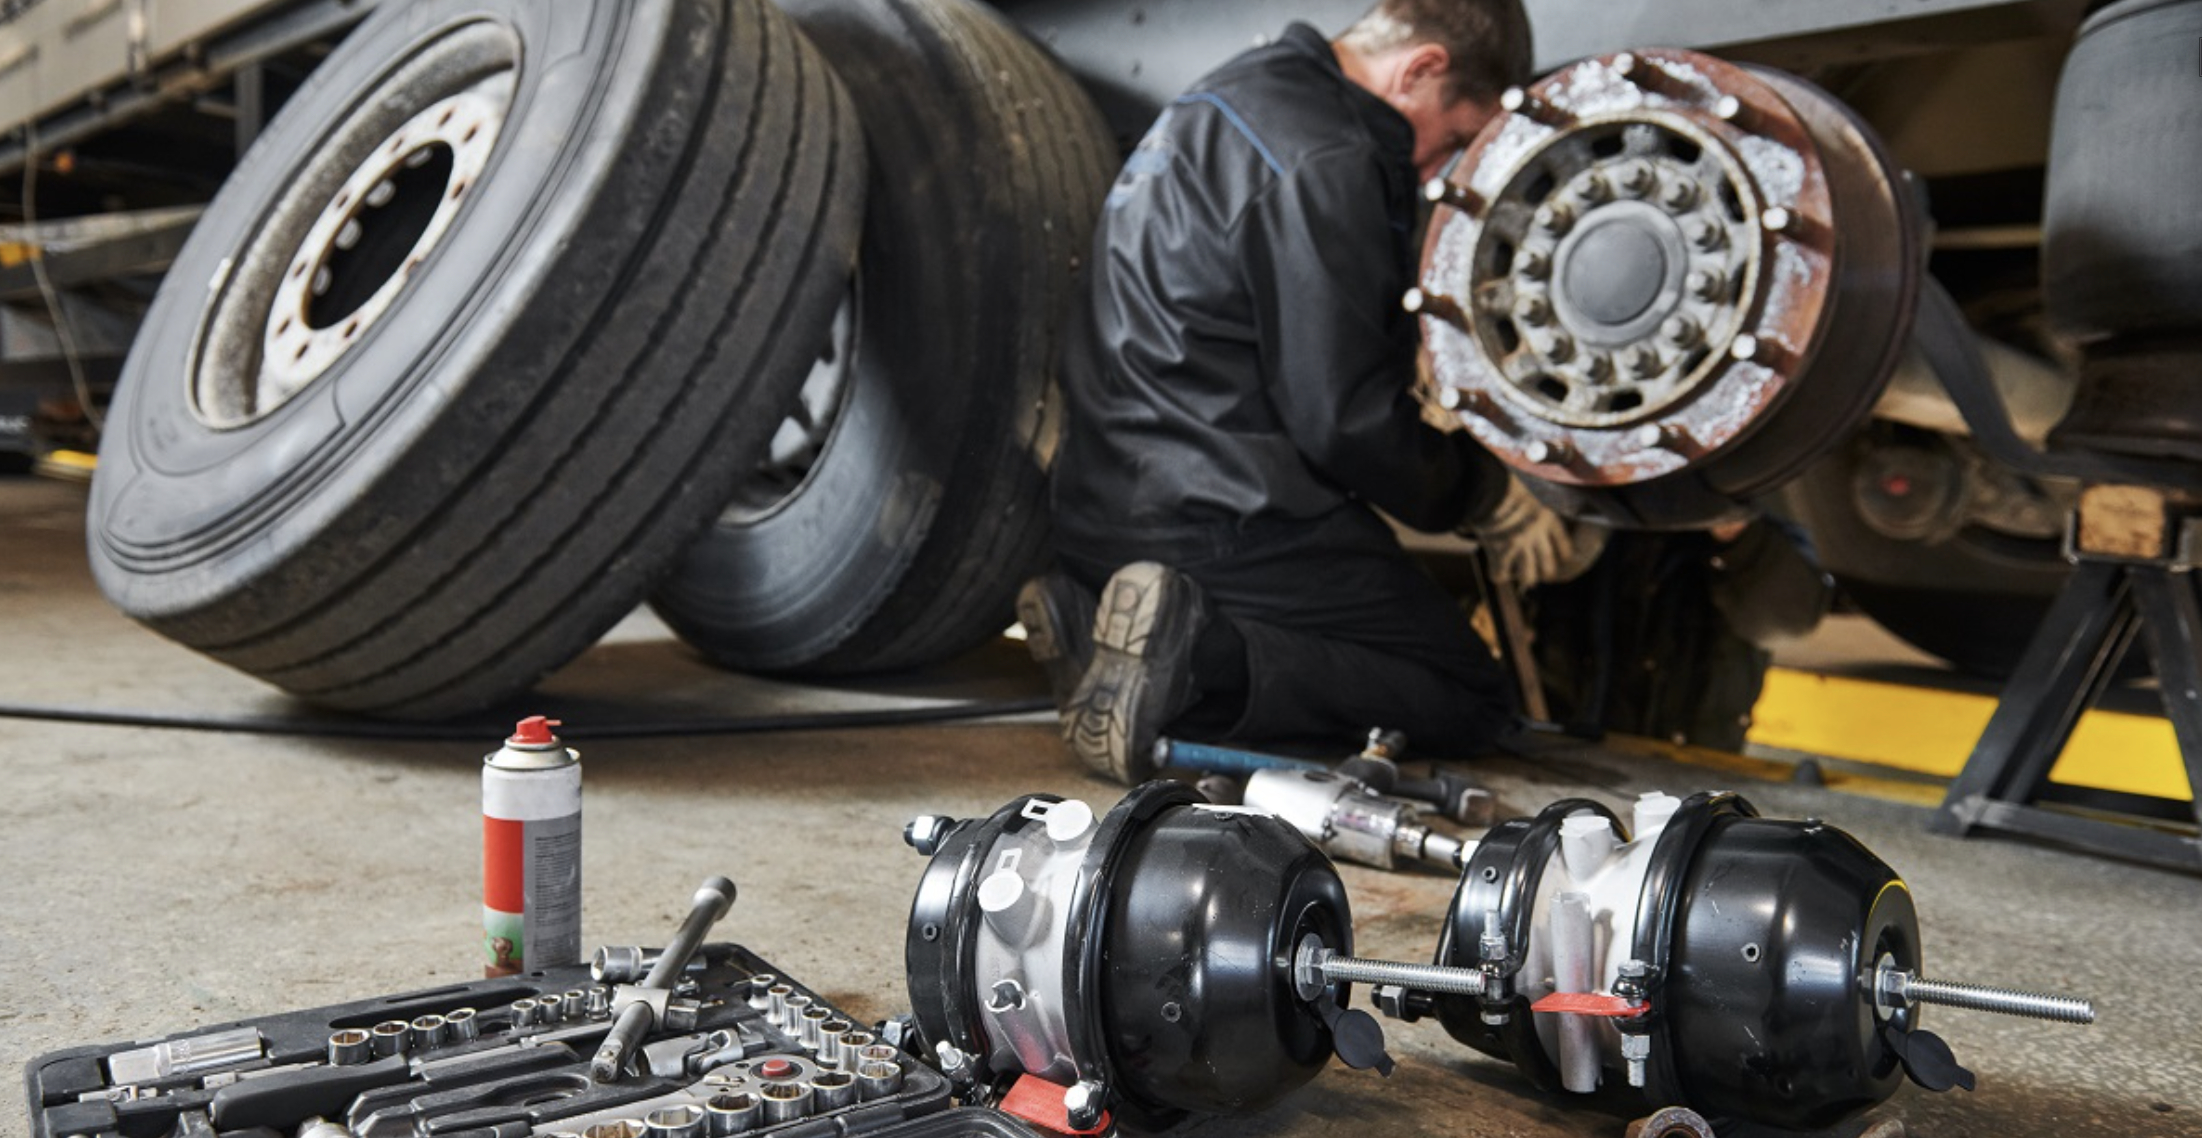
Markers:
{"x": 1040, "y": 1103}
{"x": 1587, "y": 1004}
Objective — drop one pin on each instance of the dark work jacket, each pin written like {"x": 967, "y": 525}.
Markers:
{"x": 1243, "y": 358}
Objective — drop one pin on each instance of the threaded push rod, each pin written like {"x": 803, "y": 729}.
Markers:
{"x": 1416, "y": 977}
{"x": 2002, "y": 1001}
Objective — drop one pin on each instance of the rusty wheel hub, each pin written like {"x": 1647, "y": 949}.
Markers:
{"x": 1664, "y": 283}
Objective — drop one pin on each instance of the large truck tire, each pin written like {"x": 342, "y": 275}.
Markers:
{"x": 464, "y": 352}
{"x": 905, "y": 499}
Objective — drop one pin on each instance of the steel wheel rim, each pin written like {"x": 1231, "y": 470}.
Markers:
{"x": 334, "y": 257}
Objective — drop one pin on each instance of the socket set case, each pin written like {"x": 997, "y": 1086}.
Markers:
{"x": 509, "y": 1058}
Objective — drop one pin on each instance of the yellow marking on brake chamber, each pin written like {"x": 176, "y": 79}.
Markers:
{"x": 1933, "y": 732}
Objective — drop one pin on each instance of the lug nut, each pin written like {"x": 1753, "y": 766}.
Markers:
{"x": 925, "y": 832}
{"x": 1594, "y": 189}
{"x": 1599, "y": 367}
{"x": 1682, "y": 332}
{"x": 1558, "y": 348}
{"x": 1681, "y": 196}
{"x": 1646, "y": 361}
{"x": 1533, "y": 265}
{"x": 1638, "y": 179}
{"x": 1534, "y": 310}
{"x": 1440, "y": 191}
{"x": 1708, "y": 284}
{"x": 1709, "y": 235}
{"x": 1556, "y": 218}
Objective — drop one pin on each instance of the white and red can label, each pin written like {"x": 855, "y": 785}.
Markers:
{"x": 531, "y": 853}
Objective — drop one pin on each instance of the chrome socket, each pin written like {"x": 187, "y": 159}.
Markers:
{"x": 428, "y": 1033}
{"x": 736, "y": 1112}
{"x": 877, "y": 1079}
{"x": 620, "y": 964}
{"x": 811, "y": 1026}
{"x": 760, "y": 990}
{"x": 829, "y": 1040}
{"x": 784, "y": 1102}
{"x": 549, "y": 1009}
{"x": 776, "y": 1004}
{"x": 683, "y": 1121}
{"x": 600, "y": 1002}
{"x": 848, "y": 1050}
{"x": 791, "y": 1015}
{"x": 617, "y": 1128}
{"x": 879, "y": 1053}
{"x": 463, "y": 1024}
{"x": 390, "y": 1037}
{"x": 574, "y": 1005}
{"x": 350, "y": 1047}
{"x": 526, "y": 1012}
{"x": 834, "y": 1090}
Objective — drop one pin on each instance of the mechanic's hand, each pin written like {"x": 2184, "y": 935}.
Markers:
{"x": 1526, "y": 543}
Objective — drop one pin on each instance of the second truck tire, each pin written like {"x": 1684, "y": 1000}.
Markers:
{"x": 905, "y": 499}
{"x": 462, "y": 355}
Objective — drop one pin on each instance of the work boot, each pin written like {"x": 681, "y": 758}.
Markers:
{"x": 1057, "y": 613}
{"x": 1141, "y": 677}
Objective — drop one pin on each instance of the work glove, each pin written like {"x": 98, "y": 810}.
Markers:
{"x": 1526, "y": 543}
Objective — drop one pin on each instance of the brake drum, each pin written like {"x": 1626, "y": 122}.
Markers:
{"x": 1661, "y": 284}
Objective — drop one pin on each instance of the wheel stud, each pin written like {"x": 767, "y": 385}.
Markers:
{"x": 1516, "y": 101}
{"x": 1439, "y": 191}
{"x": 1437, "y": 305}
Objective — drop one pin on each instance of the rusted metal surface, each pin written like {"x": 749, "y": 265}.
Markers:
{"x": 1671, "y": 1122}
{"x": 1637, "y": 269}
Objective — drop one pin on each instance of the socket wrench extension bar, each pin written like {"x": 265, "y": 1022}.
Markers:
{"x": 713, "y": 898}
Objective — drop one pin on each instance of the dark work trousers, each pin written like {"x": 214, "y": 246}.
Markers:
{"x": 1343, "y": 632}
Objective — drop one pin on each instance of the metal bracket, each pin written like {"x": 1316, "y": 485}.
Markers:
{"x": 1947, "y": 343}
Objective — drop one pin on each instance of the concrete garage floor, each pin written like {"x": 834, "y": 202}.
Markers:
{"x": 162, "y": 879}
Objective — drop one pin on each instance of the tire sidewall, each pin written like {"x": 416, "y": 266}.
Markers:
{"x": 802, "y": 576}
{"x": 185, "y": 513}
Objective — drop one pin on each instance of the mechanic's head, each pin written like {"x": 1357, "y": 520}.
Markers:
{"x": 1442, "y": 64}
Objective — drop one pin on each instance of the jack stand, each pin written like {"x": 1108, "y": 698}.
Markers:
{"x": 2138, "y": 552}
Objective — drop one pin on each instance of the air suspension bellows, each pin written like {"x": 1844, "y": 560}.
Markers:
{"x": 1749, "y": 969}
{"x": 1142, "y": 961}
{"x": 1661, "y": 284}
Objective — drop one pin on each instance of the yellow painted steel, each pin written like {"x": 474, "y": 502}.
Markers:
{"x": 1933, "y": 732}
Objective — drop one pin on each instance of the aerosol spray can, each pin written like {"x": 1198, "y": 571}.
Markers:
{"x": 531, "y": 852}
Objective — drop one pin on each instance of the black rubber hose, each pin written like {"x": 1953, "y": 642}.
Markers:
{"x": 478, "y": 729}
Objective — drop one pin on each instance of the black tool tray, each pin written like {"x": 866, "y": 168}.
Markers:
{"x": 510, "y": 1081}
